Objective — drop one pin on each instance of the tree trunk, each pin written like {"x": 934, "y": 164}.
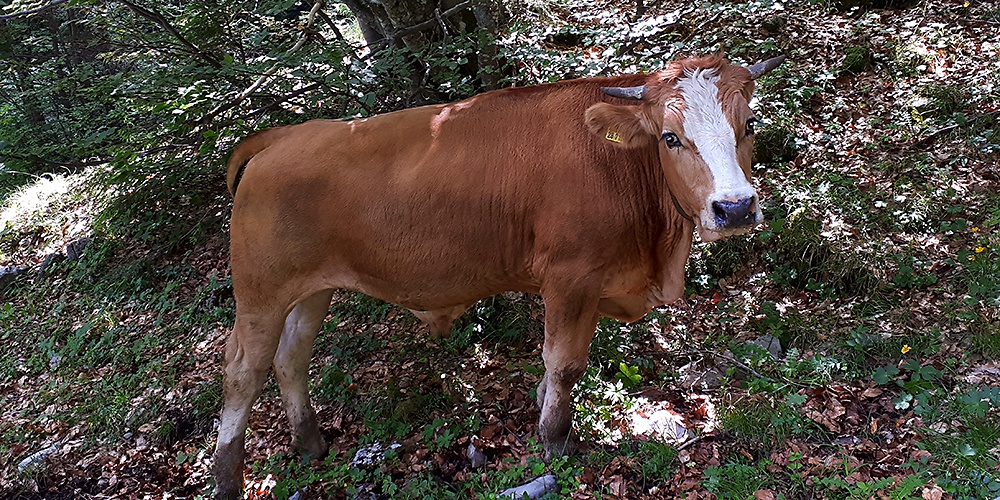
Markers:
{"x": 416, "y": 23}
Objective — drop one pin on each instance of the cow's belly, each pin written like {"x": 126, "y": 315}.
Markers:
{"x": 425, "y": 280}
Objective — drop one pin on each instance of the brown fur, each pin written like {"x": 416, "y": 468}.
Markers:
{"x": 433, "y": 208}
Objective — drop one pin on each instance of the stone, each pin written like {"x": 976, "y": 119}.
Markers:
{"x": 36, "y": 460}
{"x": 535, "y": 489}
{"x": 476, "y": 457}
{"x": 372, "y": 455}
{"x": 50, "y": 260}
{"x": 75, "y": 248}
{"x": 8, "y": 274}
{"x": 769, "y": 343}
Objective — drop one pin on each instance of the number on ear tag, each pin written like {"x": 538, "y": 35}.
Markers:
{"x": 613, "y": 136}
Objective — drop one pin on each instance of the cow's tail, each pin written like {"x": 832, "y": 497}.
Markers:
{"x": 245, "y": 151}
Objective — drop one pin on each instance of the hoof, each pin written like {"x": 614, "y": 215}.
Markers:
{"x": 227, "y": 468}
{"x": 560, "y": 447}
{"x": 316, "y": 449}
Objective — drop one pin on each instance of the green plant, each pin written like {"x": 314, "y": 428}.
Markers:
{"x": 736, "y": 480}
{"x": 438, "y": 435}
{"x": 761, "y": 422}
{"x": 658, "y": 460}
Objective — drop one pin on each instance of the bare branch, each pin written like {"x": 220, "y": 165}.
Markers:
{"x": 43, "y": 8}
{"x": 430, "y": 23}
{"x": 269, "y": 73}
{"x": 164, "y": 23}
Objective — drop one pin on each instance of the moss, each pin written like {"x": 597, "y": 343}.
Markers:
{"x": 775, "y": 144}
{"x": 857, "y": 59}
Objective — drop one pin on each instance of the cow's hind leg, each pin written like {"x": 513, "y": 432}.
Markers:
{"x": 570, "y": 321}
{"x": 291, "y": 368}
{"x": 249, "y": 353}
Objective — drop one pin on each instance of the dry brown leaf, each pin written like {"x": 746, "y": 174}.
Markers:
{"x": 934, "y": 492}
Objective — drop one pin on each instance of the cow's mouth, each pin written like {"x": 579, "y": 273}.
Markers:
{"x": 709, "y": 235}
{"x": 711, "y": 232}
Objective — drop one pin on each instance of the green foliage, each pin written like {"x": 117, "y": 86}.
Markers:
{"x": 658, "y": 460}
{"x": 943, "y": 100}
{"x": 910, "y": 273}
{"x": 359, "y": 307}
{"x": 736, "y": 480}
{"x": 762, "y": 422}
{"x": 801, "y": 256}
{"x": 438, "y": 435}
{"x": 501, "y": 320}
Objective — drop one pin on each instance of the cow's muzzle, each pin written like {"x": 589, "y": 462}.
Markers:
{"x": 735, "y": 214}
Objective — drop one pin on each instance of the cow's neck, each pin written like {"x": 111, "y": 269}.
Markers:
{"x": 673, "y": 248}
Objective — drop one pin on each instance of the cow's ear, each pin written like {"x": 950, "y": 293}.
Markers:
{"x": 622, "y": 126}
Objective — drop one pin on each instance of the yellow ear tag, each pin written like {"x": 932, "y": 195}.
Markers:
{"x": 613, "y": 136}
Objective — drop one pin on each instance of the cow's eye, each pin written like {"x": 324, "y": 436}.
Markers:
{"x": 671, "y": 140}
{"x": 750, "y": 126}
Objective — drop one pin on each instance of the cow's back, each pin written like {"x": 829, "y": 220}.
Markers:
{"x": 427, "y": 207}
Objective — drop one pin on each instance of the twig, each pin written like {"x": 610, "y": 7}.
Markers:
{"x": 689, "y": 442}
{"x": 740, "y": 364}
{"x": 277, "y": 101}
{"x": 433, "y": 21}
{"x": 329, "y": 22}
{"x": 43, "y": 8}
{"x": 440, "y": 20}
{"x": 670, "y": 52}
{"x": 267, "y": 74}
{"x": 941, "y": 131}
{"x": 159, "y": 19}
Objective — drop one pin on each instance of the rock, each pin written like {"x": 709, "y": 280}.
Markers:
{"x": 710, "y": 373}
{"x": 702, "y": 375}
{"x": 534, "y": 489}
{"x": 372, "y": 455}
{"x": 8, "y": 274}
{"x": 75, "y": 248}
{"x": 36, "y": 460}
{"x": 770, "y": 343}
{"x": 50, "y": 260}
{"x": 476, "y": 458}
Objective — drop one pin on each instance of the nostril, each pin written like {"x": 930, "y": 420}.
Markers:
{"x": 719, "y": 208}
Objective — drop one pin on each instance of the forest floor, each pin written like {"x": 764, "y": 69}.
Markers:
{"x": 878, "y": 271}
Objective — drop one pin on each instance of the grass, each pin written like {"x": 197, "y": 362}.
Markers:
{"x": 878, "y": 271}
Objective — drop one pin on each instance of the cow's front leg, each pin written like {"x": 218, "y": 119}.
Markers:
{"x": 570, "y": 320}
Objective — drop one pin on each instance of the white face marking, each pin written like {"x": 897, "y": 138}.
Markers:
{"x": 707, "y": 127}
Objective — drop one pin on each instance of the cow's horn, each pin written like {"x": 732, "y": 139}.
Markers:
{"x": 762, "y": 68}
{"x": 634, "y": 93}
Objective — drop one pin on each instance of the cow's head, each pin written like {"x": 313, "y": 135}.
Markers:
{"x": 698, "y": 112}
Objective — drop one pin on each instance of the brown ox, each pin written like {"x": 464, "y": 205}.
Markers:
{"x": 587, "y": 192}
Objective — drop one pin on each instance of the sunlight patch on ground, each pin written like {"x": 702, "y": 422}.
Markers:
{"x": 46, "y": 215}
{"x": 33, "y": 198}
